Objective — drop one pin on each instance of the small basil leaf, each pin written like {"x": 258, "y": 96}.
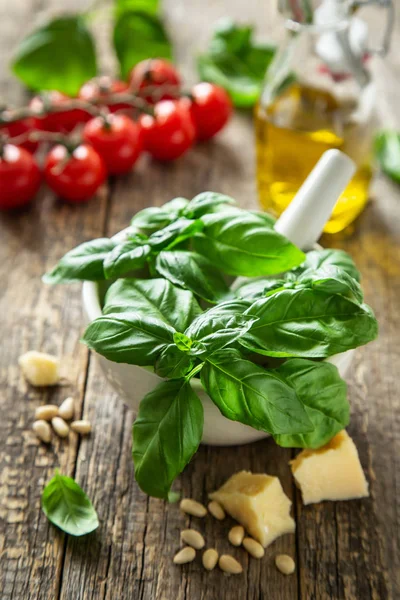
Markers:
{"x": 328, "y": 257}
{"x": 85, "y": 262}
{"x": 139, "y": 35}
{"x": 183, "y": 342}
{"x": 166, "y": 434}
{"x": 387, "y": 151}
{"x": 239, "y": 243}
{"x": 156, "y": 298}
{"x": 60, "y": 55}
{"x": 258, "y": 288}
{"x": 176, "y": 207}
{"x": 175, "y": 233}
{"x": 193, "y": 272}
{"x": 205, "y": 202}
{"x": 151, "y": 219}
{"x": 323, "y": 393}
{"x": 149, "y": 6}
{"x": 309, "y": 323}
{"x": 174, "y": 363}
{"x": 66, "y": 505}
{"x": 249, "y": 394}
{"x": 126, "y": 258}
{"x": 128, "y": 338}
{"x": 332, "y": 280}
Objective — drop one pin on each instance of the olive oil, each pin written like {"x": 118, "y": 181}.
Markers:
{"x": 291, "y": 135}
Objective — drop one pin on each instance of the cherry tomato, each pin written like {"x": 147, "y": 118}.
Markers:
{"x": 153, "y": 73}
{"x": 18, "y": 128}
{"x": 171, "y": 131}
{"x": 63, "y": 121}
{"x": 102, "y": 87}
{"x": 19, "y": 177}
{"x": 118, "y": 140}
{"x": 211, "y": 109}
{"x": 76, "y": 176}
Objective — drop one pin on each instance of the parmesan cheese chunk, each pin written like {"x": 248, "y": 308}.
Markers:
{"x": 39, "y": 368}
{"x": 332, "y": 472}
{"x": 259, "y": 503}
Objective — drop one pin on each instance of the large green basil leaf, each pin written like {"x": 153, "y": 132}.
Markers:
{"x": 66, "y": 505}
{"x": 252, "y": 395}
{"x": 308, "y": 323}
{"x": 174, "y": 363}
{"x": 126, "y": 258}
{"x": 139, "y": 35}
{"x": 328, "y": 257}
{"x": 206, "y": 202}
{"x": 85, "y": 262}
{"x": 149, "y": 6}
{"x": 59, "y": 55}
{"x": 194, "y": 272}
{"x": 332, "y": 280}
{"x": 323, "y": 393}
{"x": 166, "y": 434}
{"x": 157, "y": 298}
{"x": 239, "y": 243}
{"x": 128, "y": 338}
{"x": 387, "y": 151}
{"x": 175, "y": 233}
{"x": 258, "y": 288}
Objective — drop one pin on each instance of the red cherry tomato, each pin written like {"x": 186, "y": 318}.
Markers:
{"x": 63, "y": 121}
{"x": 102, "y": 87}
{"x": 77, "y": 176}
{"x": 211, "y": 109}
{"x": 118, "y": 140}
{"x": 19, "y": 177}
{"x": 171, "y": 131}
{"x": 154, "y": 73}
{"x": 18, "y": 128}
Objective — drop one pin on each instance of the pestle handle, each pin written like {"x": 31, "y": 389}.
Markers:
{"x": 305, "y": 217}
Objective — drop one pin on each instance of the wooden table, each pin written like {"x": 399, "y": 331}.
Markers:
{"x": 342, "y": 550}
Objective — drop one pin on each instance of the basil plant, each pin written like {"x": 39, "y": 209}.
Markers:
{"x": 174, "y": 303}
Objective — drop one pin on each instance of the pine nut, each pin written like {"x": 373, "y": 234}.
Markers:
{"x": 46, "y": 412}
{"x": 285, "y": 564}
{"x": 254, "y": 548}
{"x": 42, "y": 430}
{"x": 82, "y": 427}
{"x": 185, "y": 555}
{"x": 66, "y": 410}
{"x": 191, "y": 507}
{"x": 216, "y": 510}
{"x": 236, "y": 535}
{"x": 193, "y": 538}
{"x": 60, "y": 427}
{"x": 210, "y": 559}
{"x": 230, "y": 565}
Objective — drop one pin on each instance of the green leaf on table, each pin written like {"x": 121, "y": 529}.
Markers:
{"x": 387, "y": 151}
{"x": 240, "y": 243}
{"x": 235, "y": 62}
{"x": 85, "y": 262}
{"x": 175, "y": 233}
{"x": 329, "y": 257}
{"x": 331, "y": 280}
{"x": 308, "y": 323}
{"x": 139, "y": 35}
{"x": 206, "y": 202}
{"x": 128, "y": 337}
{"x": 59, "y": 55}
{"x": 174, "y": 363}
{"x": 125, "y": 258}
{"x": 193, "y": 272}
{"x": 252, "y": 395}
{"x": 166, "y": 434}
{"x": 323, "y": 393}
{"x": 66, "y": 505}
{"x": 157, "y": 298}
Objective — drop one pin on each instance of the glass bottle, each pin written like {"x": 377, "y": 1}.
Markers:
{"x": 318, "y": 94}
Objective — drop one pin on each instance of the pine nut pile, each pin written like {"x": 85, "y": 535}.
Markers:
{"x": 193, "y": 541}
{"x": 58, "y": 417}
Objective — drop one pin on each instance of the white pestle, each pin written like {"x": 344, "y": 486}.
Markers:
{"x": 305, "y": 217}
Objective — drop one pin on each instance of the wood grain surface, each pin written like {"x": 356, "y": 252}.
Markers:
{"x": 342, "y": 550}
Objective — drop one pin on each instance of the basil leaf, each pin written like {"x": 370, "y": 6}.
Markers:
{"x": 332, "y": 280}
{"x": 166, "y": 434}
{"x": 328, "y": 257}
{"x": 174, "y": 363}
{"x": 156, "y": 298}
{"x": 149, "y": 6}
{"x": 175, "y": 233}
{"x": 309, "y": 323}
{"x": 85, "y": 262}
{"x": 206, "y": 202}
{"x": 60, "y": 55}
{"x": 66, "y": 505}
{"x": 240, "y": 244}
{"x": 258, "y": 288}
{"x": 387, "y": 151}
{"x": 323, "y": 393}
{"x": 139, "y": 35}
{"x": 249, "y": 394}
{"x": 125, "y": 258}
{"x": 266, "y": 218}
{"x": 154, "y": 218}
{"x": 128, "y": 338}
{"x": 193, "y": 272}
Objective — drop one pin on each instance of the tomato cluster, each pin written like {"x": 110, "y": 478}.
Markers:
{"x": 166, "y": 124}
